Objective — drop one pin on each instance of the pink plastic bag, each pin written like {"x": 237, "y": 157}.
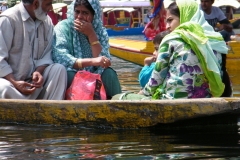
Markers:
{"x": 86, "y": 86}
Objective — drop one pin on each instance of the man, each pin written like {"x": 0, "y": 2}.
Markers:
{"x": 26, "y": 67}
{"x": 147, "y": 17}
{"x": 213, "y": 15}
{"x": 3, "y": 7}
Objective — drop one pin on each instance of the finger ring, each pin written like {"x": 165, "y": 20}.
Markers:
{"x": 104, "y": 62}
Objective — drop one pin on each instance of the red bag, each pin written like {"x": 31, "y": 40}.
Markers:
{"x": 86, "y": 86}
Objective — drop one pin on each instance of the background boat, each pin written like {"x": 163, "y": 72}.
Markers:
{"x": 136, "y": 49}
{"x": 125, "y": 19}
{"x": 58, "y": 13}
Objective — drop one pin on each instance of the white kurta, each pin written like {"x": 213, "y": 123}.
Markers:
{"x": 25, "y": 44}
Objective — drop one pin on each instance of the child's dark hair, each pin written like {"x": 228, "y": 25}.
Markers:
{"x": 159, "y": 37}
{"x": 173, "y": 9}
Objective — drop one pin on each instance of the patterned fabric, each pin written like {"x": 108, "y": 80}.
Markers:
{"x": 189, "y": 60}
{"x": 157, "y": 23}
{"x": 69, "y": 44}
{"x": 145, "y": 74}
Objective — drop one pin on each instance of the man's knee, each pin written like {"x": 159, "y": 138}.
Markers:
{"x": 6, "y": 88}
{"x": 5, "y": 84}
{"x": 57, "y": 70}
{"x": 59, "y": 67}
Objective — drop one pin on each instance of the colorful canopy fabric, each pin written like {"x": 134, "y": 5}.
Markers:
{"x": 157, "y": 23}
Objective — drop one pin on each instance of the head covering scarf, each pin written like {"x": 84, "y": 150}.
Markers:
{"x": 196, "y": 32}
{"x": 157, "y": 23}
{"x": 81, "y": 46}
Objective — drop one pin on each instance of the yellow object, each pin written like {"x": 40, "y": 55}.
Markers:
{"x": 122, "y": 14}
{"x": 131, "y": 50}
{"x": 95, "y": 42}
{"x": 79, "y": 63}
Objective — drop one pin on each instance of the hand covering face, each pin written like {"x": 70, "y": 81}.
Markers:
{"x": 70, "y": 44}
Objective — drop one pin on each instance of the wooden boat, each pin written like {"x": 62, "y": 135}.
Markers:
{"x": 58, "y": 13}
{"x": 131, "y": 50}
{"x": 123, "y": 31}
{"x": 123, "y": 114}
{"x": 136, "y": 51}
{"x": 124, "y": 20}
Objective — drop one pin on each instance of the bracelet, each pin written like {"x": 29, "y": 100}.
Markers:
{"x": 95, "y": 42}
{"x": 79, "y": 63}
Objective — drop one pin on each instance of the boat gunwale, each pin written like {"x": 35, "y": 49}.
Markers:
{"x": 114, "y": 113}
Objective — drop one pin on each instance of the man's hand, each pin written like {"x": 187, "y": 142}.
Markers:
{"x": 227, "y": 27}
{"x": 24, "y": 87}
{"x": 37, "y": 79}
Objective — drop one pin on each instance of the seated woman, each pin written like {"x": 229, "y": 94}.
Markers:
{"x": 189, "y": 59}
{"x": 81, "y": 42}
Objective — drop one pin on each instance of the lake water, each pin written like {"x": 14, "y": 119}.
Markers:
{"x": 127, "y": 74}
{"x": 49, "y": 142}
{"x": 19, "y": 141}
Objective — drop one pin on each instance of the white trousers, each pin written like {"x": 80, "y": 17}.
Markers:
{"x": 54, "y": 86}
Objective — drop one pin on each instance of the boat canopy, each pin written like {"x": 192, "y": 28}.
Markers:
{"x": 221, "y": 3}
{"x": 118, "y": 9}
{"x": 58, "y": 6}
{"x": 123, "y": 9}
{"x": 59, "y": 12}
{"x": 106, "y": 9}
{"x": 125, "y": 4}
{"x": 232, "y": 3}
{"x": 132, "y": 3}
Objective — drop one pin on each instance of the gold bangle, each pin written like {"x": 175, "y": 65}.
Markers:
{"x": 95, "y": 42}
{"x": 79, "y": 63}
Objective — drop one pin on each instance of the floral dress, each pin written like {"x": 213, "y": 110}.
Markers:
{"x": 178, "y": 73}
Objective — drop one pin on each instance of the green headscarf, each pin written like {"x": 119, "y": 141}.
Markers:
{"x": 196, "y": 32}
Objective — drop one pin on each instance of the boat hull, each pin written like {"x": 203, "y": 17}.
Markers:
{"x": 117, "y": 114}
{"x": 233, "y": 56}
{"x": 125, "y": 31}
{"x": 131, "y": 50}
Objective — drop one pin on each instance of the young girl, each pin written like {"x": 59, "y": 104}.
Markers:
{"x": 149, "y": 62}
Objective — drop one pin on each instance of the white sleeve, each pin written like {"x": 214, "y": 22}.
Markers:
{"x": 6, "y": 37}
{"x": 220, "y": 14}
